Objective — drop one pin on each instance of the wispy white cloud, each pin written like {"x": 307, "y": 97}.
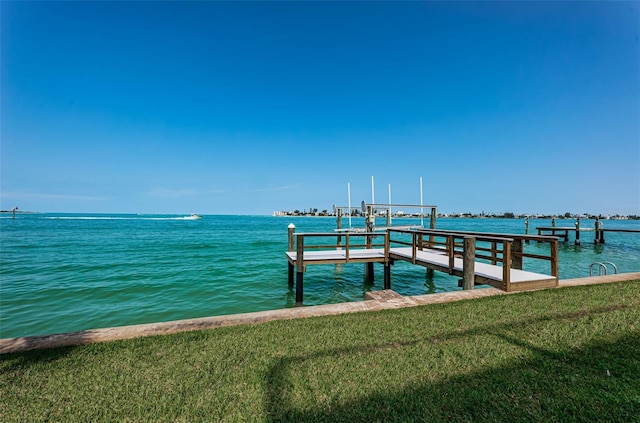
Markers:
{"x": 173, "y": 193}
{"x": 50, "y": 196}
{"x": 270, "y": 189}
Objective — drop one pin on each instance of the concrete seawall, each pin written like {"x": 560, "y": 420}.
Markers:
{"x": 376, "y": 300}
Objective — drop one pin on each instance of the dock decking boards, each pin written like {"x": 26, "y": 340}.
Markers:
{"x": 433, "y": 259}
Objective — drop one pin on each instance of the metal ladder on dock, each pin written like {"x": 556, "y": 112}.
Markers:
{"x": 602, "y": 266}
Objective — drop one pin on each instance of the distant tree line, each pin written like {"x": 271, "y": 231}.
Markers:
{"x": 356, "y": 212}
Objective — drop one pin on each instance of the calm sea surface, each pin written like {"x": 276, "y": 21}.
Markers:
{"x": 71, "y": 272}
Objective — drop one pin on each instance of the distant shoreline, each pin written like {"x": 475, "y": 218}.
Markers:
{"x": 357, "y": 213}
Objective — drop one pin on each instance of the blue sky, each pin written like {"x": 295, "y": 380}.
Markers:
{"x": 251, "y": 107}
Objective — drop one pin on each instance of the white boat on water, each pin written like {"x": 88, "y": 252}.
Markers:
{"x": 194, "y": 217}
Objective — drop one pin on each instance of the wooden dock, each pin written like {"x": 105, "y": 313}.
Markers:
{"x": 484, "y": 273}
{"x": 564, "y": 231}
{"x": 478, "y": 258}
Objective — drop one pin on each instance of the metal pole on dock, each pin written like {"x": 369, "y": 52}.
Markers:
{"x": 349, "y": 200}
{"x": 373, "y": 195}
{"x": 421, "y": 215}
{"x": 389, "y": 209}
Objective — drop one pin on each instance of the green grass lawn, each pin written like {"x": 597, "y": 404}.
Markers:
{"x": 570, "y": 354}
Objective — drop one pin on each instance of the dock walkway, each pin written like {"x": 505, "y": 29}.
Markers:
{"x": 456, "y": 253}
{"x": 485, "y": 273}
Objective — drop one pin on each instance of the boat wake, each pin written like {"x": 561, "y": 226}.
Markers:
{"x": 191, "y": 217}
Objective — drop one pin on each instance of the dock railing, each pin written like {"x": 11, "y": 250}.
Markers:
{"x": 517, "y": 250}
{"x": 505, "y": 250}
{"x": 328, "y": 247}
{"x": 321, "y": 241}
{"x": 477, "y": 257}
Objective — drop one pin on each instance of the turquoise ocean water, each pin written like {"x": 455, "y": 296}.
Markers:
{"x": 69, "y": 272}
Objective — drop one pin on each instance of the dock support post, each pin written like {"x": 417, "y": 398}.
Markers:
{"x": 577, "y": 232}
{"x": 599, "y": 235}
{"x": 299, "y": 268}
{"x": 526, "y": 228}
{"x": 387, "y": 275}
{"x": 554, "y": 259}
{"x": 468, "y": 263}
{"x": 290, "y": 267}
{"x": 292, "y": 231}
{"x": 516, "y": 254}
{"x": 368, "y": 267}
{"x": 387, "y": 260}
{"x": 432, "y": 226}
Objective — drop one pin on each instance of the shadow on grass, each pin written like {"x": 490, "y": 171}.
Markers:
{"x": 46, "y": 348}
{"x": 599, "y": 382}
{"x": 25, "y": 359}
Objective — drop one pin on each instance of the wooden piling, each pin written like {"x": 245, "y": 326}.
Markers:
{"x": 432, "y": 225}
{"x": 468, "y": 262}
{"x": 299, "y": 268}
{"x": 291, "y": 232}
{"x": 506, "y": 266}
{"x": 290, "y": 274}
{"x": 577, "y": 232}
{"x": 387, "y": 263}
{"x": 554, "y": 260}
{"x": 516, "y": 256}
{"x": 368, "y": 267}
{"x": 599, "y": 233}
